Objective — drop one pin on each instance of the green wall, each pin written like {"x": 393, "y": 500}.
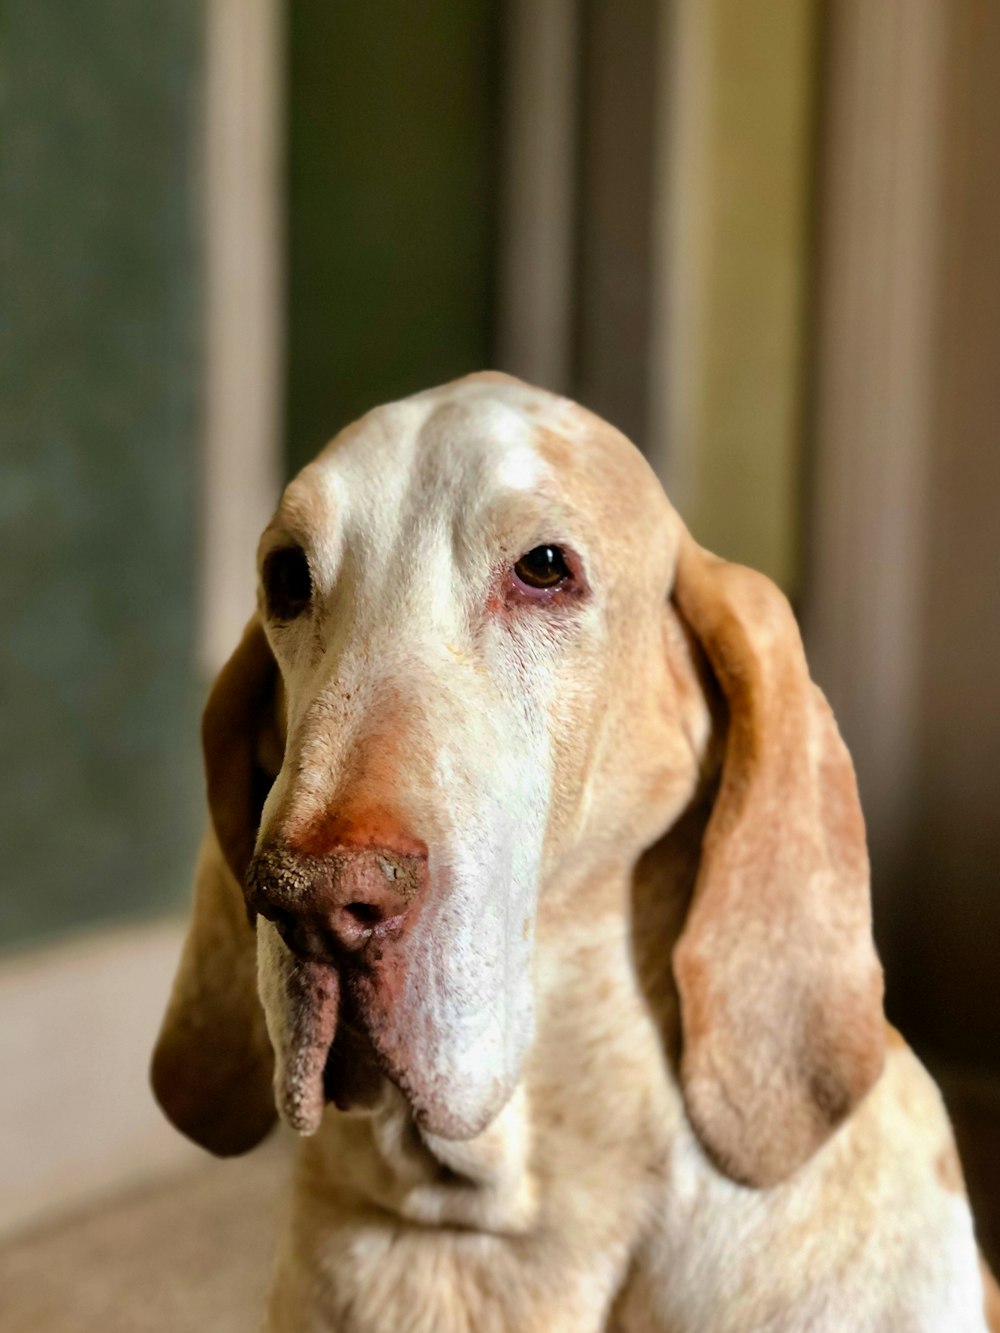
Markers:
{"x": 391, "y": 180}
{"x": 99, "y": 384}
{"x": 391, "y": 160}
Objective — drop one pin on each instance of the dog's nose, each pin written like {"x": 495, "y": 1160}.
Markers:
{"x": 335, "y": 902}
{"x": 366, "y": 890}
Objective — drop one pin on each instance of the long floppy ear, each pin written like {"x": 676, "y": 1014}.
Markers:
{"x": 212, "y": 1067}
{"x": 780, "y": 986}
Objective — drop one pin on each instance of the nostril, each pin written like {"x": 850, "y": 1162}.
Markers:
{"x": 287, "y": 927}
{"x": 365, "y": 914}
{"x": 278, "y": 916}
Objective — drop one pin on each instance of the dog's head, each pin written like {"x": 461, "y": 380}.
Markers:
{"x": 476, "y": 677}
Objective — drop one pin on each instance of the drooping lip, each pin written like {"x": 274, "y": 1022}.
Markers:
{"x": 345, "y": 1024}
{"x": 353, "y": 1072}
{"x": 343, "y": 1038}
{"x": 312, "y": 1003}
{"x": 324, "y": 1051}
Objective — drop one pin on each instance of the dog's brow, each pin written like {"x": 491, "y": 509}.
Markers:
{"x": 306, "y": 509}
{"x": 521, "y": 468}
{"x": 516, "y": 514}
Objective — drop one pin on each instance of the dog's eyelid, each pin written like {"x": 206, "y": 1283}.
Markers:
{"x": 287, "y": 580}
{"x": 279, "y": 534}
{"x": 547, "y": 572}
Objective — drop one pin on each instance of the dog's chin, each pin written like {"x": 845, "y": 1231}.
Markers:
{"x": 441, "y": 1123}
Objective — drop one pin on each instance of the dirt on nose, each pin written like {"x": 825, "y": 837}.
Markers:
{"x": 330, "y": 905}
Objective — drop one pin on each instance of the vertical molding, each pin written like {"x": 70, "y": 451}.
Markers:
{"x": 877, "y": 312}
{"x": 680, "y": 231}
{"x": 243, "y": 180}
{"x": 538, "y": 232}
{"x": 613, "y": 305}
{"x": 731, "y": 267}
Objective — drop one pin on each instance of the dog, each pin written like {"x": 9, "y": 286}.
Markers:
{"x": 535, "y": 897}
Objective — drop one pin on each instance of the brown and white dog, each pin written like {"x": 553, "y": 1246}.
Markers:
{"x": 544, "y": 858}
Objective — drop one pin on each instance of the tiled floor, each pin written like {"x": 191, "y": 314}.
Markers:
{"x": 193, "y": 1256}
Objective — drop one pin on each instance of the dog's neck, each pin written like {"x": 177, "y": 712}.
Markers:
{"x": 381, "y": 1157}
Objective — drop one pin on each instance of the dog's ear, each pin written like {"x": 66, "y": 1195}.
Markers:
{"x": 780, "y": 986}
{"x": 212, "y": 1068}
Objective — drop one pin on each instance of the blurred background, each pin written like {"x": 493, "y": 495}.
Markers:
{"x": 758, "y": 235}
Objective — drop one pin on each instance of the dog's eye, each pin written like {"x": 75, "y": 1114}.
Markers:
{"x": 287, "y": 583}
{"x": 543, "y": 567}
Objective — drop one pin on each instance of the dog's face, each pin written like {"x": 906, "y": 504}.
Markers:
{"x": 466, "y": 597}
{"x": 471, "y": 682}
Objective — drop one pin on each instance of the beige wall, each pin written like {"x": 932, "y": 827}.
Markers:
{"x": 734, "y": 269}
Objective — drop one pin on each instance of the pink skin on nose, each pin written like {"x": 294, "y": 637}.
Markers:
{"x": 355, "y": 828}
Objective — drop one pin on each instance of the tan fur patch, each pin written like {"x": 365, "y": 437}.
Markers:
{"x": 555, "y": 448}
{"x": 948, "y": 1170}
{"x": 488, "y": 377}
{"x": 991, "y": 1297}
